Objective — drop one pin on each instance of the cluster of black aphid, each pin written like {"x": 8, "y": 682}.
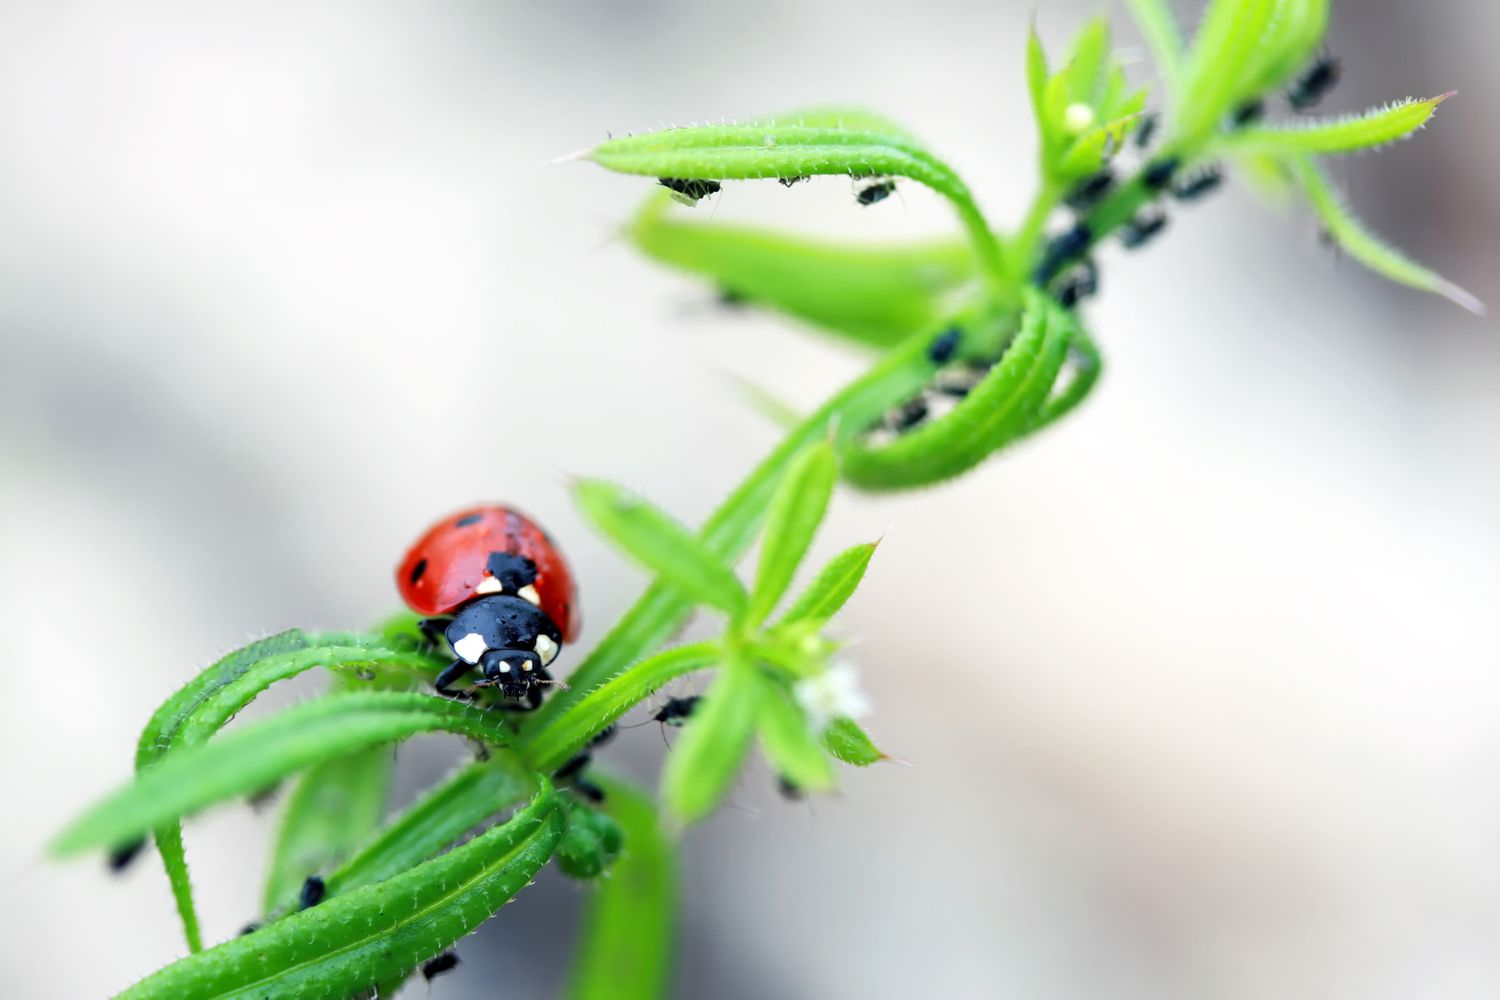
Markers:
{"x": 868, "y": 190}
{"x": 1068, "y": 271}
{"x": 952, "y": 381}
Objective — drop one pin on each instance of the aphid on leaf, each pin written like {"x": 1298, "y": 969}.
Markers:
{"x": 1314, "y": 84}
{"x": 674, "y": 713}
{"x": 1087, "y": 192}
{"x": 869, "y": 190}
{"x": 689, "y": 192}
{"x": 313, "y": 891}
{"x": 446, "y": 962}
{"x": 263, "y": 798}
{"x": 943, "y": 347}
{"x": 1062, "y": 249}
{"x": 728, "y": 298}
{"x": 501, "y": 597}
{"x": 249, "y": 928}
{"x": 789, "y": 181}
{"x": 1143, "y": 228}
{"x": 1078, "y": 284}
{"x": 959, "y": 381}
{"x": 1146, "y": 130}
{"x": 904, "y": 416}
{"x": 1198, "y": 183}
{"x": 121, "y": 857}
{"x": 789, "y": 789}
{"x": 1248, "y": 113}
{"x": 1158, "y": 173}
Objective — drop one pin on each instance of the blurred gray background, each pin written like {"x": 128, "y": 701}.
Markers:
{"x": 1198, "y": 690}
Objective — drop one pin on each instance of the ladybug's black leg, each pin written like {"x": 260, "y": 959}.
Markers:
{"x": 451, "y": 673}
{"x": 432, "y": 630}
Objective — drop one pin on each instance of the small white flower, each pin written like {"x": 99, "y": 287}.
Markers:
{"x": 1077, "y": 117}
{"x": 832, "y": 694}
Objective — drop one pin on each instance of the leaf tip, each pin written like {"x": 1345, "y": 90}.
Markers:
{"x": 573, "y": 157}
{"x": 1463, "y": 298}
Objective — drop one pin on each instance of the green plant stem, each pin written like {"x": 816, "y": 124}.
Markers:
{"x": 1023, "y": 245}
{"x": 731, "y": 528}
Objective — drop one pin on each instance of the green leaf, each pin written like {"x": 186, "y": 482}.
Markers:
{"x": 625, "y": 949}
{"x": 1376, "y": 127}
{"x": 1217, "y": 74}
{"x": 730, "y": 529}
{"x": 1004, "y": 407}
{"x": 337, "y": 804}
{"x": 848, "y": 742}
{"x": 832, "y": 587}
{"x": 706, "y": 759}
{"x": 563, "y": 737}
{"x": 660, "y": 544}
{"x": 839, "y": 117}
{"x": 1162, "y": 34}
{"x": 259, "y": 755}
{"x": 774, "y": 151}
{"x": 1293, "y": 34}
{"x": 789, "y": 743}
{"x": 1086, "y": 365}
{"x": 375, "y": 934}
{"x": 871, "y": 295}
{"x": 1037, "y": 75}
{"x": 1364, "y": 246}
{"x": 796, "y": 511}
{"x": 435, "y": 820}
{"x": 205, "y": 703}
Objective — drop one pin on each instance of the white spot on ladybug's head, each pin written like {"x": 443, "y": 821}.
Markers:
{"x": 530, "y": 594}
{"x": 546, "y": 649}
{"x": 489, "y": 585}
{"x": 505, "y": 666}
{"x": 470, "y": 648}
{"x": 526, "y": 665}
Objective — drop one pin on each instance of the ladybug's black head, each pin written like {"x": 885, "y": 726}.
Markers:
{"x": 507, "y": 623}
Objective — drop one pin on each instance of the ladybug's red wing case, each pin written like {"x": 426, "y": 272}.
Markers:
{"x": 459, "y": 557}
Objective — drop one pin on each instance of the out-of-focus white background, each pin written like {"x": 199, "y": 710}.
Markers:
{"x": 1199, "y": 690}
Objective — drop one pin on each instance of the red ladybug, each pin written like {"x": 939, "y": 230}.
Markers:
{"x": 498, "y": 591}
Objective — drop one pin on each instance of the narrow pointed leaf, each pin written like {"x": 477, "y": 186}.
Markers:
{"x": 1293, "y": 34}
{"x": 1217, "y": 74}
{"x": 796, "y": 511}
{"x": 257, "y": 756}
{"x": 660, "y": 544}
{"x": 625, "y": 949}
{"x": 336, "y": 804}
{"x": 198, "y": 709}
{"x": 1163, "y": 35}
{"x": 434, "y": 821}
{"x": 872, "y": 295}
{"x": 375, "y": 934}
{"x": 1364, "y": 246}
{"x": 1004, "y": 407}
{"x": 731, "y": 528}
{"x": 849, "y": 743}
{"x": 832, "y": 587}
{"x": 790, "y": 744}
{"x": 749, "y": 152}
{"x": 835, "y": 116}
{"x": 1374, "y": 128}
{"x": 561, "y": 739}
{"x": 706, "y": 759}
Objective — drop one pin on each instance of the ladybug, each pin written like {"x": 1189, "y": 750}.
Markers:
{"x": 496, "y": 589}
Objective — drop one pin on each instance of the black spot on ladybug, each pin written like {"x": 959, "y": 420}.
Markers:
{"x": 513, "y": 571}
{"x": 312, "y": 892}
{"x": 940, "y": 352}
{"x": 418, "y": 570}
{"x": 445, "y": 962}
{"x": 464, "y": 522}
